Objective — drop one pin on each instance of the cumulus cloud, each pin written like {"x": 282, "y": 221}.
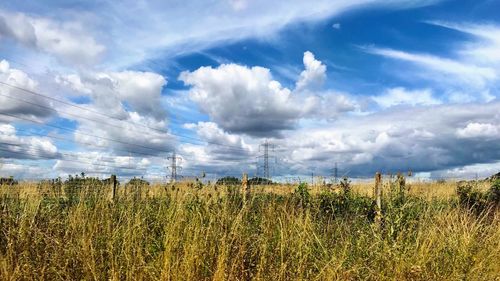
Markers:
{"x": 220, "y": 140}
{"x": 23, "y": 170}
{"x": 134, "y": 135}
{"x": 111, "y": 91}
{"x": 480, "y": 171}
{"x": 314, "y": 74}
{"x": 133, "y": 120}
{"x": 20, "y": 147}
{"x": 66, "y": 40}
{"x": 15, "y": 105}
{"x": 401, "y": 96}
{"x": 242, "y": 99}
{"x": 417, "y": 138}
{"x": 248, "y": 100}
{"x": 479, "y": 130}
{"x": 101, "y": 164}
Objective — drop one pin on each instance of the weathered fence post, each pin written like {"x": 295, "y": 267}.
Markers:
{"x": 245, "y": 188}
{"x": 401, "y": 184}
{"x": 378, "y": 197}
{"x": 113, "y": 183}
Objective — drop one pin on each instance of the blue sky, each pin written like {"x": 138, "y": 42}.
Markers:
{"x": 106, "y": 87}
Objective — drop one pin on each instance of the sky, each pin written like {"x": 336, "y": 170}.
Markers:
{"x": 115, "y": 87}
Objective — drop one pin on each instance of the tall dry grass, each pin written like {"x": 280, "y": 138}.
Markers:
{"x": 181, "y": 233}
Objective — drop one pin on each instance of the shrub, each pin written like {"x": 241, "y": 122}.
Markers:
{"x": 137, "y": 182}
{"x": 228, "y": 181}
{"x": 8, "y": 181}
{"x": 345, "y": 185}
{"x": 259, "y": 181}
{"x": 343, "y": 204}
{"x": 494, "y": 193}
{"x": 470, "y": 197}
{"x": 302, "y": 194}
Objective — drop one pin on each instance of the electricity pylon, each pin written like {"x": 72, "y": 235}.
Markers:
{"x": 174, "y": 166}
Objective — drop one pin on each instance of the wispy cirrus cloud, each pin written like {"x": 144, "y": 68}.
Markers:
{"x": 469, "y": 66}
{"x": 485, "y": 49}
{"x": 138, "y": 31}
{"x": 458, "y": 71}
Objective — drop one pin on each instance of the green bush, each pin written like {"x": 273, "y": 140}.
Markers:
{"x": 302, "y": 194}
{"x": 494, "y": 193}
{"x": 471, "y": 198}
{"x": 228, "y": 181}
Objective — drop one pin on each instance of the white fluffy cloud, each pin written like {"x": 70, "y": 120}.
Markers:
{"x": 314, "y": 74}
{"x": 132, "y": 135}
{"x": 479, "y": 130}
{"x": 111, "y": 91}
{"x": 23, "y": 171}
{"x": 20, "y": 147}
{"x": 137, "y": 125}
{"x": 16, "y": 106}
{"x": 211, "y": 132}
{"x": 102, "y": 164}
{"x": 418, "y": 138}
{"x": 481, "y": 171}
{"x": 66, "y": 40}
{"x": 243, "y": 99}
{"x": 232, "y": 152}
{"x": 248, "y": 100}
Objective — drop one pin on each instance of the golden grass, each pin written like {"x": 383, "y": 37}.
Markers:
{"x": 181, "y": 233}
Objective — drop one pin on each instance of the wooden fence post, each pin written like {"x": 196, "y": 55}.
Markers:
{"x": 401, "y": 184}
{"x": 245, "y": 189}
{"x": 113, "y": 183}
{"x": 378, "y": 197}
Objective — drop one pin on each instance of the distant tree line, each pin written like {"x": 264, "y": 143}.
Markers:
{"x": 237, "y": 181}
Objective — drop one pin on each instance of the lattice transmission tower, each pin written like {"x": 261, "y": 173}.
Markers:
{"x": 174, "y": 166}
{"x": 266, "y": 148}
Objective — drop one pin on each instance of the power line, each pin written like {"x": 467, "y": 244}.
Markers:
{"x": 59, "y": 153}
{"x": 100, "y": 122}
{"x": 177, "y": 119}
{"x": 122, "y": 150}
{"x": 112, "y": 117}
{"x": 70, "y": 160}
{"x": 84, "y": 134}
{"x": 24, "y": 165}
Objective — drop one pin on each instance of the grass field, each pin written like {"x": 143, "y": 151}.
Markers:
{"x": 281, "y": 233}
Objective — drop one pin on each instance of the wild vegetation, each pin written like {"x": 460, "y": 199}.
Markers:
{"x": 74, "y": 230}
